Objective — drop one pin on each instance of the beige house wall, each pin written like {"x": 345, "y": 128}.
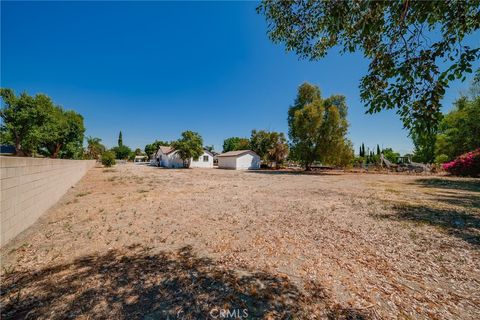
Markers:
{"x": 30, "y": 186}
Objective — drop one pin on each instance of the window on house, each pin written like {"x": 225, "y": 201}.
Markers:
{"x": 205, "y": 158}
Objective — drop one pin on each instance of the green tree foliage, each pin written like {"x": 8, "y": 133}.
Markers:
{"x": 122, "y": 152}
{"x": 362, "y": 150}
{"x": 108, "y": 158}
{"x": 278, "y": 150}
{"x": 390, "y": 155}
{"x": 120, "y": 139}
{"x": 152, "y": 148}
{"x": 415, "y": 49}
{"x": 62, "y": 134}
{"x": 271, "y": 146}
{"x": 95, "y": 148}
{"x": 235, "y": 143}
{"x": 345, "y": 154}
{"x": 260, "y": 142}
{"x": 190, "y": 145}
{"x": 22, "y": 118}
{"x": 36, "y": 125}
{"x": 317, "y": 128}
{"x": 460, "y": 129}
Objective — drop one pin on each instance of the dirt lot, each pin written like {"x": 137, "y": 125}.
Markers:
{"x": 138, "y": 242}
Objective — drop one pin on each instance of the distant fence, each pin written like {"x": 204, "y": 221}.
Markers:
{"x": 30, "y": 186}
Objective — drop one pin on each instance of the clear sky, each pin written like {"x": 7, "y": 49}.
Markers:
{"x": 155, "y": 69}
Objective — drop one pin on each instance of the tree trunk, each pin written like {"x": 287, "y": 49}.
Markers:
{"x": 56, "y": 151}
{"x": 18, "y": 150}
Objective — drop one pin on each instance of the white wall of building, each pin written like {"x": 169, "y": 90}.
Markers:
{"x": 172, "y": 160}
{"x": 248, "y": 161}
{"x": 227, "y": 162}
{"x": 201, "y": 163}
{"x": 243, "y": 162}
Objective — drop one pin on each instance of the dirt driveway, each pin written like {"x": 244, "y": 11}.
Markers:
{"x": 138, "y": 242}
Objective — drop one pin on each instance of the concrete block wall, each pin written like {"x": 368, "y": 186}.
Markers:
{"x": 30, "y": 186}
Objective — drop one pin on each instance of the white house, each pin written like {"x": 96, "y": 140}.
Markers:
{"x": 204, "y": 161}
{"x": 168, "y": 157}
{"x": 239, "y": 160}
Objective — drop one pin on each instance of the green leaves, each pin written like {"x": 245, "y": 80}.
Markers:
{"x": 415, "y": 48}
{"x": 269, "y": 145}
{"x": 459, "y": 131}
{"x": 235, "y": 143}
{"x": 36, "y": 125}
{"x": 317, "y": 128}
{"x": 150, "y": 149}
{"x": 190, "y": 145}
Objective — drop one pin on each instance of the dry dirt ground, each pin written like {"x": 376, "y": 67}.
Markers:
{"x": 138, "y": 242}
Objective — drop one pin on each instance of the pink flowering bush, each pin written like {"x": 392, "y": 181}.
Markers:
{"x": 467, "y": 164}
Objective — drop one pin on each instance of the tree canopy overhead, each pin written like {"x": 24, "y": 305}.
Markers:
{"x": 415, "y": 48}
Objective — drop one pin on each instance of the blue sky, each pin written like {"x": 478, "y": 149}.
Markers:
{"x": 155, "y": 69}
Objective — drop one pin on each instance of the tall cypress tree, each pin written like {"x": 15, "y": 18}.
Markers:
{"x": 378, "y": 150}
{"x": 120, "y": 139}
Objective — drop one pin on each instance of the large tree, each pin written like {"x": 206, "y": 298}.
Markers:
{"x": 189, "y": 146}
{"x": 415, "y": 49}
{"x": 62, "y": 133}
{"x": 235, "y": 143}
{"x": 22, "y": 117}
{"x": 35, "y": 124}
{"x": 318, "y": 128}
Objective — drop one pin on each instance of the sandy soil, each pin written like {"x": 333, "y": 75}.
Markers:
{"x": 138, "y": 242}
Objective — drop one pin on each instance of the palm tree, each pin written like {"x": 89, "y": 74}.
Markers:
{"x": 95, "y": 148}
{"x": 279, "y": 149}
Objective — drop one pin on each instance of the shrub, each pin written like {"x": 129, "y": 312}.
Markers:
{"x": 441, "y": 158}
{"x": 108, "y": 158}
{"x": 467, "y": 164}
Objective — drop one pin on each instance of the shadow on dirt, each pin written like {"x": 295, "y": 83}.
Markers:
{"x": 461, "y": 216}
{"x": 296, "y": 172}
{"x": 458, "y": 223}
{"x": 464, "y": 184}
{"x": 136, "y": 284}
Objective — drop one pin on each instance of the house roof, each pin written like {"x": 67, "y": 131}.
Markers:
{"x": 166, "y": 150}
{"x": 236, "y": 153}
{"x": 210, "y": 153}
